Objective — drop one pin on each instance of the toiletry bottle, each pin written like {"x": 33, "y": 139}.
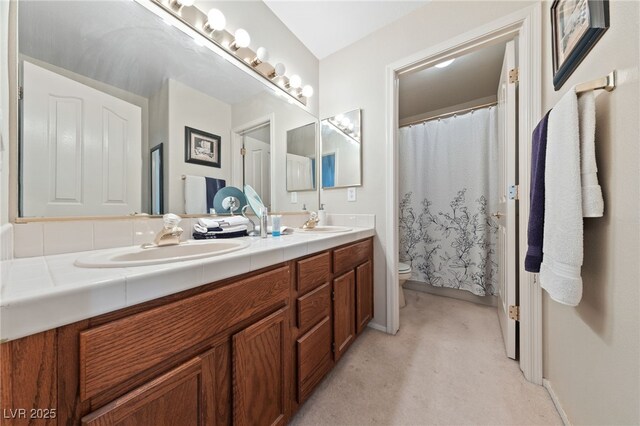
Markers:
{"x": 322, "y": 216}
{"x": 276, "y": 224}
{"x": 264, "y": 221}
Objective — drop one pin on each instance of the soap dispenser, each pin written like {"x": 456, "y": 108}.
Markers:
{"x": 322, "y": 216}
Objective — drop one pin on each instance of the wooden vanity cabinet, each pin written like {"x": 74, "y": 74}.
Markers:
{"x": 240, "y": 351}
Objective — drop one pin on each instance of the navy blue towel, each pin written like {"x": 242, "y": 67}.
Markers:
{"x": 213, "y": 186}
{"x": 536, "y": 212}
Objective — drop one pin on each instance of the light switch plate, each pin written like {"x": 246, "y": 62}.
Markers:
{"x": 351, "y": 194}
{"x": 294, "y": 197}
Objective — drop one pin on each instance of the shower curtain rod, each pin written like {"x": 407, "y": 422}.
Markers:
{"x": 448, "y": 114}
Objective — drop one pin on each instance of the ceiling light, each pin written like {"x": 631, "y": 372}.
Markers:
{"x": 215, "y": 20}
{"x": 445, "y": 63}
{"x": 307, "y": 91}
{"x": 295, "y": 81}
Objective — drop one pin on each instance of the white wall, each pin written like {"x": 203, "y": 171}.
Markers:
{"x": 592, "y": 352}
{"x": 354, "y": 77}
{"x": 159, "y": 134}
{"x": 267, "y": 30}
{"x": 188, "y": 107}
{"x": 4, "y": 112}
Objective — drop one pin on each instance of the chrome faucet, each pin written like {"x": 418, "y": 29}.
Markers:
{"x": 170, "y": 233}
{"x": 311, "y": 222}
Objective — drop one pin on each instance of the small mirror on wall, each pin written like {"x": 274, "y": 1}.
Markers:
{"x": 301, "y": 158}
{"x": 341, "y": 164}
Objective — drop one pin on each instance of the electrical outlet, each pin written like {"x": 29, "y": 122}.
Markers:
{"x": 294, "y": 197}
{"x": 351, "y": 194}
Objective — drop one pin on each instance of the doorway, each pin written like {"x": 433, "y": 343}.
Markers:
{"x": 253, "y": 142}
{"x": 523, "y": 27}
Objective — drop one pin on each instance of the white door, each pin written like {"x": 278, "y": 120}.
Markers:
{"x": 257, "y": 168}
{"x": 506, "y": 209}
{"x": 81, "y": 149}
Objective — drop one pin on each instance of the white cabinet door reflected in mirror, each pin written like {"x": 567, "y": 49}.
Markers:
{"x": 81, "y": 149}
{"x": 341, "y": 151}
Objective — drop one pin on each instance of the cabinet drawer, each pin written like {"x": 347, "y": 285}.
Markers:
{"x": 117, "y": 351}
{"x": 314, "y": 358}
{"x": 313, "y": 272}
{"x": 349, "y": 257}
{"x": 314, "y": 306}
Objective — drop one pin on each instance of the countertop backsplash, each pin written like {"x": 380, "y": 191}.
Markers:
{"x": 57, "y": 237}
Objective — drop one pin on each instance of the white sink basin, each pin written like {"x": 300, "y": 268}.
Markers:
{"x": 324, "y": 229}
{"x": 138, "y": 256}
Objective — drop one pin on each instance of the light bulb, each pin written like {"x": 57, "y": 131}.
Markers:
{"x": 216, "y": 20}
{"x": 445, "y": 63}
{"x": 242, "y": 38}
{"x": 295, "y": 81}
{"x": 339, "y": 117}
{"x": 345, "y": 122}
{"x": 279, "y": 69}
{"x": 350, "y": 126}
{"x": 262, "y": 54}
{"x": 307, "y": 91}
{"x": 186, "y": 2}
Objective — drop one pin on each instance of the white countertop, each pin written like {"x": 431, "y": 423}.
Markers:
{"x": 42, "y": 293}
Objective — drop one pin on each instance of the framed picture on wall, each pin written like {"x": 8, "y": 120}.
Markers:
{"x": 157, "y": 180}
{"x": 576, "y": 26}
{"x": 201, "y": 147}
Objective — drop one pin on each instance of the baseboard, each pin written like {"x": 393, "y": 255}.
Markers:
{"x": 451, "y": 292}
{"x": 377, "y": 327}
{"x": 556, "y": 402}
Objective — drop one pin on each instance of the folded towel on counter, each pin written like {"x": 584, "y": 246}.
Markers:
{"x": 213, "y": 185}
{"x": 535, "y": 230}
{"x": 228, "y": 232}
{"x": 195, "y": 195}
{"x": 562, "y": 245}
{"x": 592, "y": 202}
{"x": 284, "y": 230}
{"x": 217, "y": 235}
{"x": 223, "y": 222}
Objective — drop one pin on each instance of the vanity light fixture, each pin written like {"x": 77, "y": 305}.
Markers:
{"x": 445, "y": 63}
{"x": 278, "y": 70}
{"x": 295, "y": 81}
{"x": 211, "y": 26}
{"x": 261, "y": 55}
{"x": 307, "y": 91}
{"x": 179, "y": 4}
{"x": 241, "y": 39}
{"x": 215, "y": 21}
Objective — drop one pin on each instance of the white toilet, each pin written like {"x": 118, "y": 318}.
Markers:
{"x": 404, "y": 274}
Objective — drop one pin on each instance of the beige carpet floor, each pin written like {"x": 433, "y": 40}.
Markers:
{"x": 445, "y": 366}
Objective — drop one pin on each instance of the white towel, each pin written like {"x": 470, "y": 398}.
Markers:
{"x": 563, "y": 233}
{"x": 223, "y": 222}
{"x": 195, "y": 195}
{"x": 592, "y": 202}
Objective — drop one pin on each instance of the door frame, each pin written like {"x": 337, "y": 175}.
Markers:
{"x": 237, "y": 162}
{"x": 525, "y": 26}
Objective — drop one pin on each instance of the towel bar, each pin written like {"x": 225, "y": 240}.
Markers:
{"x": 607, "y": 83}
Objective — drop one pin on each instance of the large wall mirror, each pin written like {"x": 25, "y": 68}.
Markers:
{"x": 105, "y": 82}
{"x": 341, "y": 163}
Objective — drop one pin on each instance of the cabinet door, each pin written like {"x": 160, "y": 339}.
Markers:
{"x": 364, "y": 295}
{"x": 183, "y": 396}
{"x": 344, "y": 317}
{"x": 314, "y": 357}
{"x": 259, "y": 372}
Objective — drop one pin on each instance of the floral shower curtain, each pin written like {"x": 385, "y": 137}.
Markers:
{"x": 448, "y": 182}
